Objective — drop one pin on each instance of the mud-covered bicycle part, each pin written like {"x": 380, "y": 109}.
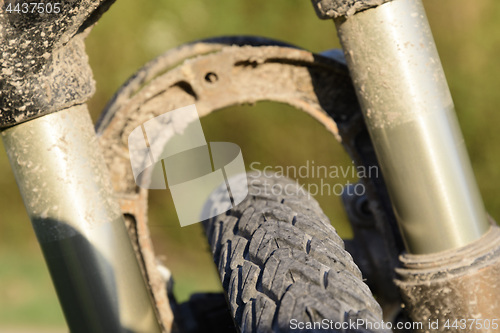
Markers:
{"x": 282, "y": 263}
{"x": 452, "y": 246}
{"x": 44, "y": 66}
{"x": 60, "y": 170}
{"x": 315, "y": 84}
{"x": 331, "y": 9}
{"x": 60, "y": 79}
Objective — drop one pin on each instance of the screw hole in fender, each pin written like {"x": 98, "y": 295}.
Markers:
{"x": 211, "y": 77}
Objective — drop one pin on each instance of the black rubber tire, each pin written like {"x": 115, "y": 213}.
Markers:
{"x": 279, "y": 259}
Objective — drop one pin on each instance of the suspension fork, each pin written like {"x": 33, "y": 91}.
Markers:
{"x": 451, "y": 243}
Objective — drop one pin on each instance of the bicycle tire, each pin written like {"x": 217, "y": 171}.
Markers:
{"x": 282, "y": 264}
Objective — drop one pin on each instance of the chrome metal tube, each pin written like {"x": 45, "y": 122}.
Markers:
{"x": 410, "y": 115}
{"x": 66, "y": 190}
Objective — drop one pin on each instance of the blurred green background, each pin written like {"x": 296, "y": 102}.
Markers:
{"x": 467, "y": 34}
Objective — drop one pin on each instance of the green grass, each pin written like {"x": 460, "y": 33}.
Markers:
{"x": 26, "y": 294}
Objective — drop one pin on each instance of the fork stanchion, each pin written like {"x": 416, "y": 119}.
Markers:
{"x": 410, "y": 115}
{"x": 450, "y": 275}
{"x": 66, "y": 189}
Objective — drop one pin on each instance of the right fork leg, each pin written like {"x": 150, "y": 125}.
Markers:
{"x": 454, "y": 263}
{"x": 410, "y": 116}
